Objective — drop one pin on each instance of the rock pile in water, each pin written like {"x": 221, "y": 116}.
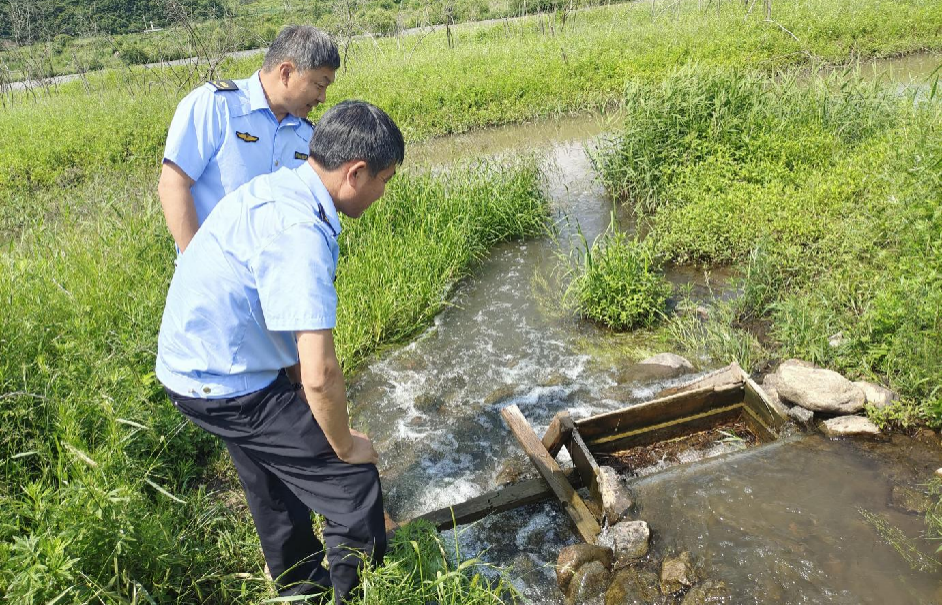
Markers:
{"x": 810, "y": 392}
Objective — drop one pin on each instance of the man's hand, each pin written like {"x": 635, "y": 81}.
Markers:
{"x": 362, "y": 451}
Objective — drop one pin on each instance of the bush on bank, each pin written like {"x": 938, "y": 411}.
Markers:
{"x": 619, "y": 283}
{"x": 103, "y": 491}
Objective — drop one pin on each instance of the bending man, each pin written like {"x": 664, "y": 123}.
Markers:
{"x": 227, "y": 132}
{"x": 246, "y": 350}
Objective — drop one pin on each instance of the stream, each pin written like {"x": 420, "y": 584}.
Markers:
{"x": 801, "y": 520}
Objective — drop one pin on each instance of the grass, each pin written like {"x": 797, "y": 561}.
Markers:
{"x": 491, "y": 74}
{"x": 103, "y": 484}
{"x": 617, "y": 282}
{"x": 103, "y": 488}
{"x": 826, "y": 193}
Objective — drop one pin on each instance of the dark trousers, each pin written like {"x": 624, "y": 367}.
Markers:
{"x": 288, "y": 469}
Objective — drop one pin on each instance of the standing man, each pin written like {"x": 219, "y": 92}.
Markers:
{"x": 227, "y": 132}
{"x": 246, "y": 350}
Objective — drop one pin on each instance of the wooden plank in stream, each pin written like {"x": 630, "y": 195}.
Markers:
{"x": 557, "y": 434}
{"x": 585, "y": 463}
{"x": 504, "y": 498}
{"x": 666, "y": 409}
{"x": 586, "y": 524}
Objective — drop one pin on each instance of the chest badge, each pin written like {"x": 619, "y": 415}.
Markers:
{"x": 248, "y": 138}
{"x": 300, "y": 156}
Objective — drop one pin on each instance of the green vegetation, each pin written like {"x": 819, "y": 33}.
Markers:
{"x": 826, "y": 192}
{"x": 493, "y": 74}
{"x": 618, "y": 283}
{"x": 102, "y": 488}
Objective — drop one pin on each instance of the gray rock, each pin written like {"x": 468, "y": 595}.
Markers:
{"x": 910, "y": 500}
{"x": 708, "y": 593}
{"x": 800, "y": 415}
{"x": 818, "y": 390}
{"x": 591, "y": 580}
{"x": 556, "y": 379}
{"x": 616, "y": 499}
{"x": 850, "y": 426}
{"x": 731, "y": 374}
{"x": 677, "y": 573}
{"x": 632, "y": 586}
{"x": 669, "y": 360}
{"x": 837, "y": 340}
{"x": 428, "y": 402}
{"x": 573, "y": 557}
{"x": 770, "y": 387}
{"x": 876, "y": 395}
{"x": 499, "y": 394}
{"x": 630, "y": 541}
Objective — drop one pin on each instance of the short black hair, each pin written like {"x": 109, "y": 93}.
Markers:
{"x": 305, "y": 46}
{"x": 357, "y": 130}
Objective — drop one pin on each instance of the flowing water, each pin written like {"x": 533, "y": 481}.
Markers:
{"x": 800, "y": 521}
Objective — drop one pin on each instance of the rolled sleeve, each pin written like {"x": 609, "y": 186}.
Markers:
{"x": 294, "y": 275}
{"x": 195, "y": 133}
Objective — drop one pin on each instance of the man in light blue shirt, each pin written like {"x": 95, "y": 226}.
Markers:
{"x": 246, "y": 350}
{"x": 227, "y": 132}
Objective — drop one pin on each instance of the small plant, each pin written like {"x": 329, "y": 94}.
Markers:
{"x": 620, "y": 285}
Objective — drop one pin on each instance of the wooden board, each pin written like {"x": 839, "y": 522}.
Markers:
{"x": 505, "y": 497}
{"x": 659, "y": 411}
{"x": 773, "y": 416}
{"x": 557, "y": 434}
{"x": 667, "y": 430}
{"x": 585, "y": 463}
{"x": 585, "y": 522}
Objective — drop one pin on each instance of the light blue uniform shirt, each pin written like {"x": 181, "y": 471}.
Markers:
{"x": 222, "y": 139}
{"x": 260, "y": 268}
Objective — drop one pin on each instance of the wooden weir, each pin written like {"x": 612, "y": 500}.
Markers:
{"x": 720, "y": 396}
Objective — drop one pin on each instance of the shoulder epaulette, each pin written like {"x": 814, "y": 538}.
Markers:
{"x": 223, "y": 85}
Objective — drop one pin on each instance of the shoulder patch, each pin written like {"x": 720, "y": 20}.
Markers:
{"x": 223, "y": 85}
{"x": 300, "y": 156}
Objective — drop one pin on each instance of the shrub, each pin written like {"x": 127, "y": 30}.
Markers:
{"x": 621, "y": 285}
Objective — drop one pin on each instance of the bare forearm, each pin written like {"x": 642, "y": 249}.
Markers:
{"x": 176, "y": 199}
{"x": 180, "y": 214}
{"x": 328, "y": 403}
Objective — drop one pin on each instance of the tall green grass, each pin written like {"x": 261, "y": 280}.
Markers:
{"x": 826, "y": 193}
{"x": 490, "y": 74}
{"x": 103, "y": 486}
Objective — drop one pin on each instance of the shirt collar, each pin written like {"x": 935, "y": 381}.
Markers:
{"x": 310, "y": 178}
{"x": 258, "y": 100}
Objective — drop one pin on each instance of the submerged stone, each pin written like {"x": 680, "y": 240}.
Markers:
{"x": 591, "y": 580}
{"x": 850, "y": 426}
{"x": 818, "y": 390}
{"x": 910, "y": 500}
{"x": 677, "y": 573}
{"x": 499, "y": 394}
{"x": 630, "y": 541}
{"x": 573, "y": 557}
{"x": 708, "y": 593}
{"x": 800, "y": 415}
{"x": 633, "y": 586}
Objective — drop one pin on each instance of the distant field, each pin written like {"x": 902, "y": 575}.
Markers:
{"x": 490, "y": 75}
